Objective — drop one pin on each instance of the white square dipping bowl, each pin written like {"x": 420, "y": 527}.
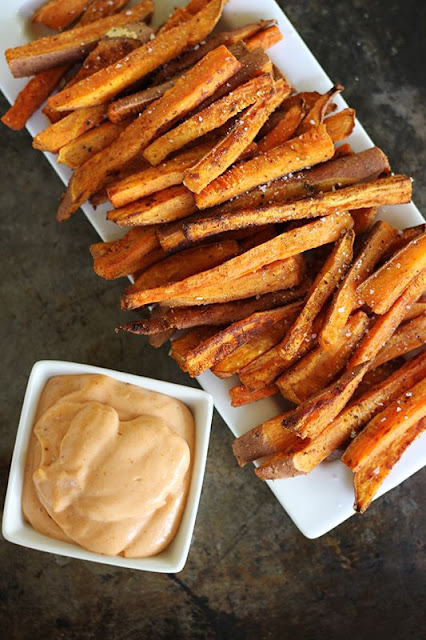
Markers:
{"x": 18, "y": 531}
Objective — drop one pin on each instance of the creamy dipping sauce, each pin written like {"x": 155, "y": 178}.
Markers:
{"x": 108, "y": 465}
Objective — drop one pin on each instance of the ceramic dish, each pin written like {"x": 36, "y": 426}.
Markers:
{"x": 17, "y": 530}
{"x": 323, "y": 499}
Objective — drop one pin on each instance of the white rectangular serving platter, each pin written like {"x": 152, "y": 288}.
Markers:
{"x": 321, "y": 500}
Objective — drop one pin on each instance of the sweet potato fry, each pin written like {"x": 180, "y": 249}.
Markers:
{"x": 184, "y": 264}
{"x": 108, "y": 82}
{"x": 59, "y": 14}
{"x": 101, "y": 9}
{"x": 32, "y": 97}
{"x": 176, "y": 102}
{"x": 212, "y": 350}
{"x": 69, "y": 128}
{"x": 321, "y": 366}
{"x": 409, "y": 336}
{"x": 370, "y": 476}
{"x": 275, "y": 277}
{"x": 153, "y": 179}
{"x": 341, "y": 125}
{"x": 69, "y": 46}
{"x": 128, "y": 106}
{"x": 313, "y": 415}
{"x": 126, "y": 255}
{"x": 304, "y": 455}
{"x": 191, "y": 57}
{"x": 263, "y": 440}
{"x": 255, "y": 347}
{"x": 346, "y": 300}
{"x": 266, "y": 38}
{"x": 376, "y": 376}
{"x": 415, "y": 310}
{"x": 317, "y": 113}
{"x": 322, "y": 288}
{"x": 161, "y": 207}
{"x": 298, "y": 153}
{"x": 403, "y": 238}
{"x": 75, "y": 153}
{"x": 395, "y": 189}
{"x": 385, "y": 325}
{"x": 267, "y": 367}
{"x": 363, "y": 219}
{"x": 283, "y": 246}
{"x": 208, "y": 119}
{"x": 284, "y": 130}
{"x": 372, "y": 454}
{"x": 232, "y": 145}
{"x": 384, "y": 286}
{"x": 240, "y": 395}
{"x": 184, "y": 344}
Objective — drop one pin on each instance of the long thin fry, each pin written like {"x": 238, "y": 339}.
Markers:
{"x": 311, "y": 148}
{"x": 69, "y": 128}
{"x": 127, "y": 255}
{"x": 283, "y": 246}
{"x": 284, "y": 130}
{"x": 409, "y": 336}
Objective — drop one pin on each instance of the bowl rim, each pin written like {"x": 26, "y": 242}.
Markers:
{"x": 16, "y": 530}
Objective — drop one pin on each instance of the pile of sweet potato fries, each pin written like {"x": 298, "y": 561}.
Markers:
{"x": 248, "y": 225}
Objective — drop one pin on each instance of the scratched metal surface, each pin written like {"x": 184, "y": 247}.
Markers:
{"x": 250, "y": 572}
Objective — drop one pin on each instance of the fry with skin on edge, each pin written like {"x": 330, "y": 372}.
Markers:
{"x": 41, "y": 86}
{"x": 188, "y": 91}
{"x": 264, "y": 341}
{"x": 386, "y": 284}
{"x": 266, "y": 368}
{"x": 240, "y": 395}
{"x": 160, "y": 207}
{"x": 184, "y": 264}
{"x": 283, "y": 246}
{"x": 108, "y": 82}
{"x": 322, "y": 288}
{"x": 213, "y": 314}
{"x": 313, "y": 415}
{"x": 298, "y": 153}
{"x": 264, "y": 440}
{"x": 392, "y": 190}
{"x": 284, "y": 130}
{"x": 75, "y": 153}
{"x": 126, "y": 255}
{"x": 59, "y": 14}
{"x": 409, "y": 336}
{"x": 212, "y": 350}
{"x": 304, "y": 455}
{"x": 317, "y": 113}
{"x": 130, "y": 106}
{"x": 69, "y": 46}
{"x": 69, "y": 128}
{"x": 346, "y": 299}
{"x": 321, "y": 366}
{"x": 229, "y": 149}
{"x": 208, "y": 119}
{"x": 385, "y": 325}
{"x": 373, "y": 453}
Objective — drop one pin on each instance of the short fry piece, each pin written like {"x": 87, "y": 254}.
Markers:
{"x": 283, "y": 246}
{"x": 126, "y": 255}
{"x": 161, "y": 207}
{"x": 208, "y": 119}
{"x": 75, "y": 153}
{"x": 384, "y": 286}
{"x": 376, "y": 449}
{"x": 298, "y": 153}
{"x": 322, "y": 288}
{"x": 341, "y": 125}
{"x": 264, "y": 440}
{"x": 58, "y": 14}
{"x": 346, "y": 299}
{"x": 69, "y": 128}
{"x": 266, "y": 38}
{"x": 182, "y": 345}
{"x": 317, "y": 113}
{"x": 321, "y": 366}
{"x": 240, "y": 395}
{"x": 409, "y": 336}
{"x": 363, "y": 219}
